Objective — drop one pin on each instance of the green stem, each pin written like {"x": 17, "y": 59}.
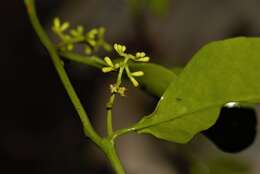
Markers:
{"x": 88, "y": 129}
{"x": 91, "y": 61}
{"x": 111, "y": 100}
{"x": 66, "y": 43}
{"x": 128, "y": 72}
{"x": 105, "y": 144}
{"x": 109, "y": 114}
{"x": 121, "y": 132}
{"x": 113, "y": 157}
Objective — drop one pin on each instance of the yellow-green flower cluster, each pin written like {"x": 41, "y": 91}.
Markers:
{"x": 121, "y": 50}
{"x": 119, "y": 90}
{"x": 95, "y": 39}
{"x": 139, "y": 56}
{"x": 92, "y": 40}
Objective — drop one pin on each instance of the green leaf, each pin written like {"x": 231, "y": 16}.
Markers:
{"x": 156, "y": 78}
{"x": 221, "y": 72}
{"x": 177, "y": 70}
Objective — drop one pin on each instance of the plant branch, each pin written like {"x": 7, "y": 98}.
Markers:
{"x": 113, "y": 157}
{"x": 106, "y": 145}
{"x": 111, "y": 100}
{"x": 121, "y": 132}
{"x": 93, "y": 61}
{"x": 109, "y": 108}
{"x": 88, "y": 129}
{"x": 98, "y": 63}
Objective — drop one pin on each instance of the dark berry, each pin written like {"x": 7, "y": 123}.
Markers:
{"x": 234, "y": 130}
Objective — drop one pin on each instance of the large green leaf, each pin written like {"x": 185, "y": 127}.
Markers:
{"x": 219, "y": 73}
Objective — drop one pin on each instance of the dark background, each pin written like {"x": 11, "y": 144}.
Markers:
{"x": 39, "y": 129}
{"x": 37, "y": 136}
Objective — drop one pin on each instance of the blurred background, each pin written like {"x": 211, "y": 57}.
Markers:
{"x": 40, "y": 132}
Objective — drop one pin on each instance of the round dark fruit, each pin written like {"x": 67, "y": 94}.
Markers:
{"x": 235, "y": 129}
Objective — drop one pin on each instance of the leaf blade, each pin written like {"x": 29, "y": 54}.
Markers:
{"x": 213, "y": 78}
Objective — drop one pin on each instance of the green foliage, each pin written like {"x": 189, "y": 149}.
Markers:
{"x": 219, "y": 73}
